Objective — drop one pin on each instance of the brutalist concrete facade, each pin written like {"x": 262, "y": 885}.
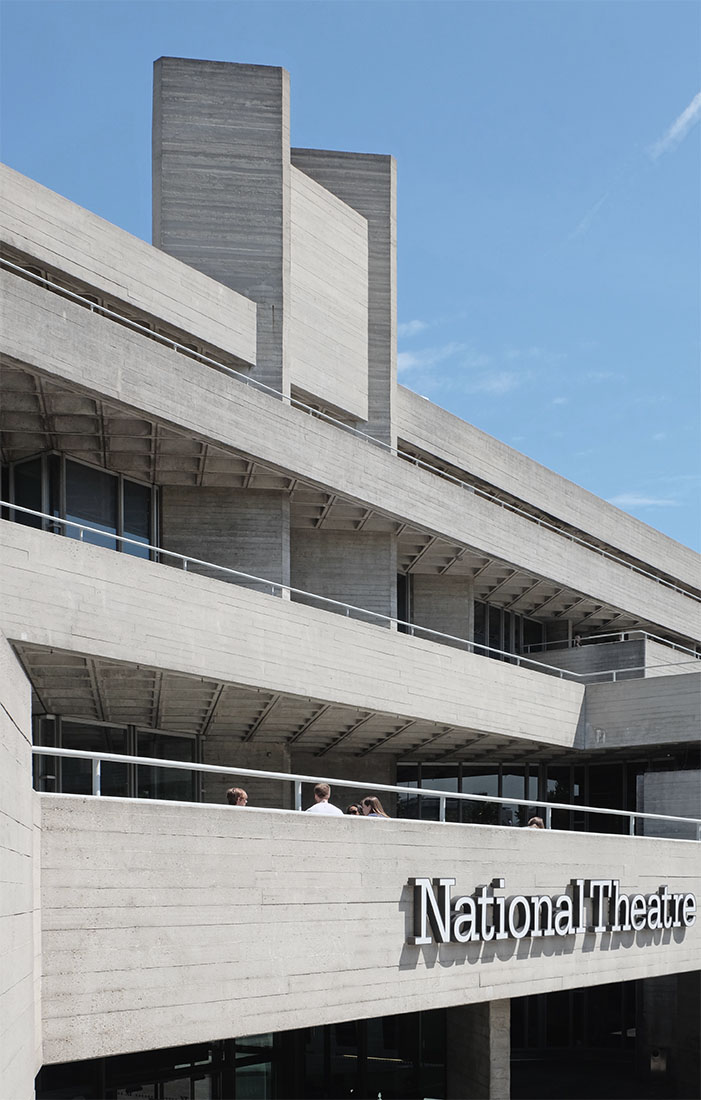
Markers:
{"x": 334, "y": 541}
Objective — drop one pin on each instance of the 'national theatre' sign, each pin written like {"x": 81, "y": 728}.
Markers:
{"x": 590, "y": 905}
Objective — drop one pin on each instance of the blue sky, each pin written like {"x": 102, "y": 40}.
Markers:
{"x": 549, "y": 169}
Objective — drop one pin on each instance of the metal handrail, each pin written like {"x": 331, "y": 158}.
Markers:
{"x": 412, "y": 628}
{"x": 279, "y": 586}
{"x": 289, "y": 400}
{"x": 619, "y": 635}
{"x": 96, "y": 759}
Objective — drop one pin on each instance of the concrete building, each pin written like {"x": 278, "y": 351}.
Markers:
{"x": 232, "y": 541}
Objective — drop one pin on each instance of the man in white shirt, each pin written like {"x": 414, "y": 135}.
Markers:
{"x": 322, "y": 793}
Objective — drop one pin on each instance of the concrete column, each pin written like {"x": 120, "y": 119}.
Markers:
{"x": 368, "y": 183}
{"x": 221, "y": 185}
{"x": 478, "y": 1045}
{"x": 20, "y": 964}
{"x": 358, "y": 568}
{"x": 243, "y": 529}
{"x": 443, "y": 603}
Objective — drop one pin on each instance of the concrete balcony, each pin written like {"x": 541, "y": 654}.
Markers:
{"x": 60, "y": 594}
{"x": 169, "y": 924}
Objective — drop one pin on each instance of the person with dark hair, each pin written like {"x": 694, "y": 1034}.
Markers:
{"x": 237, "y": 797}
{"x": 353, "y": 810}
{"x": 322, "y": 793}
{"x": 535, "y": 823}
{"x": 372, "y": 807}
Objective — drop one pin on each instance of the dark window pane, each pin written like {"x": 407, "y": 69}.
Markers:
{"x": 439, "y": 777}
{"x": 402, "y": 601}
{"x": 28, "y": 490}
{"x": 480, "y": 619}
{"x": 513, "y": 786}
{"x": 558, "y": 1019}
{"x": 408, "y": 804}
{"x": 77, "y": 774}
{"x": 91, "y": 497}
{"x": 495, "y": 636}
{"x": 171, "y": 783}
{"x": 137, "y": 518}
{"x": 532, "y": 633}
{"x": 484, "y": 781}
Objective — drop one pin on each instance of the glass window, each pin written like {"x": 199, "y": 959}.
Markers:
{"x": 392, "y": 1049}
{"x": 533, "y": 634}
{"x": 440, "y": 777}
{"x": 513, "y": 786}
{"x": 76, "y": 775}
{"x": 495, "y": 630}
{"x": 408, "y": 804}
{"x": 91, "y": 497}
{"x": 170, "y": 783}
{"x": 480, "y": 635}
{"x": 484, "y": 781}
{"x": 137, "y": 518}
{"x": 606, "y": 788}
{"x": 28, "y": 491}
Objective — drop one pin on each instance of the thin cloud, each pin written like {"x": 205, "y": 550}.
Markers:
{"x": 411, "y": 328}
{"x": 584, "y": 223}
{"x": 429, "y": 357}
{"x": 678, "y": 130}
{"x": 560, "y": 400}
{"x": 496, "y": 383}
{"x": 639, "y": 500}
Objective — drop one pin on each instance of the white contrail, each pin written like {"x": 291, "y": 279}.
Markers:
{"x": 678, "y": 130}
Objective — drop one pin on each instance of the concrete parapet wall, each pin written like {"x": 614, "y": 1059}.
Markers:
{"x": 63, "y": 236}
{"x": 178, "y": 923}
{"x": 85, "y": 599}
{"x": 655, "y": 712}
{"x": 448, "y": 437}
{"x": 20, "y": 944}
{"x": 591, "y": 659}
{"x": 662, "y": 660}
{"x": 328, "y": 331}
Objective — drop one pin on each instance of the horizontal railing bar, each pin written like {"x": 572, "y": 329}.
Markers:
{"x": 294, "y": 777}
{"x": 587, "y": 640}
{"x": 413, "y": 628}
{"x": 405, "y": 455}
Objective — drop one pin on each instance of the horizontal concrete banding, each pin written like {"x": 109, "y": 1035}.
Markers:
{"x": 463, "y": 445}
{"x": 166, "y": 924}
{"x": 85, "y": 599}
{"x": 87, "y": 351}
{"x": 67, "y": 238}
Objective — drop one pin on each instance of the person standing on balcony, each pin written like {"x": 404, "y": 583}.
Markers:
{"x": 372, "y": 807}
{"x": 237, "y": 797}
{"x": 322, "y": 793}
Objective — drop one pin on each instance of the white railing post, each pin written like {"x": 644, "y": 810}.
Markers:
{"x": 631, "y": 825}
{"x": 96, "y": 776}
{"x": 298, "y": 794}
{"x": 548, "y": 817}
{"x": 441, "y": 808}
